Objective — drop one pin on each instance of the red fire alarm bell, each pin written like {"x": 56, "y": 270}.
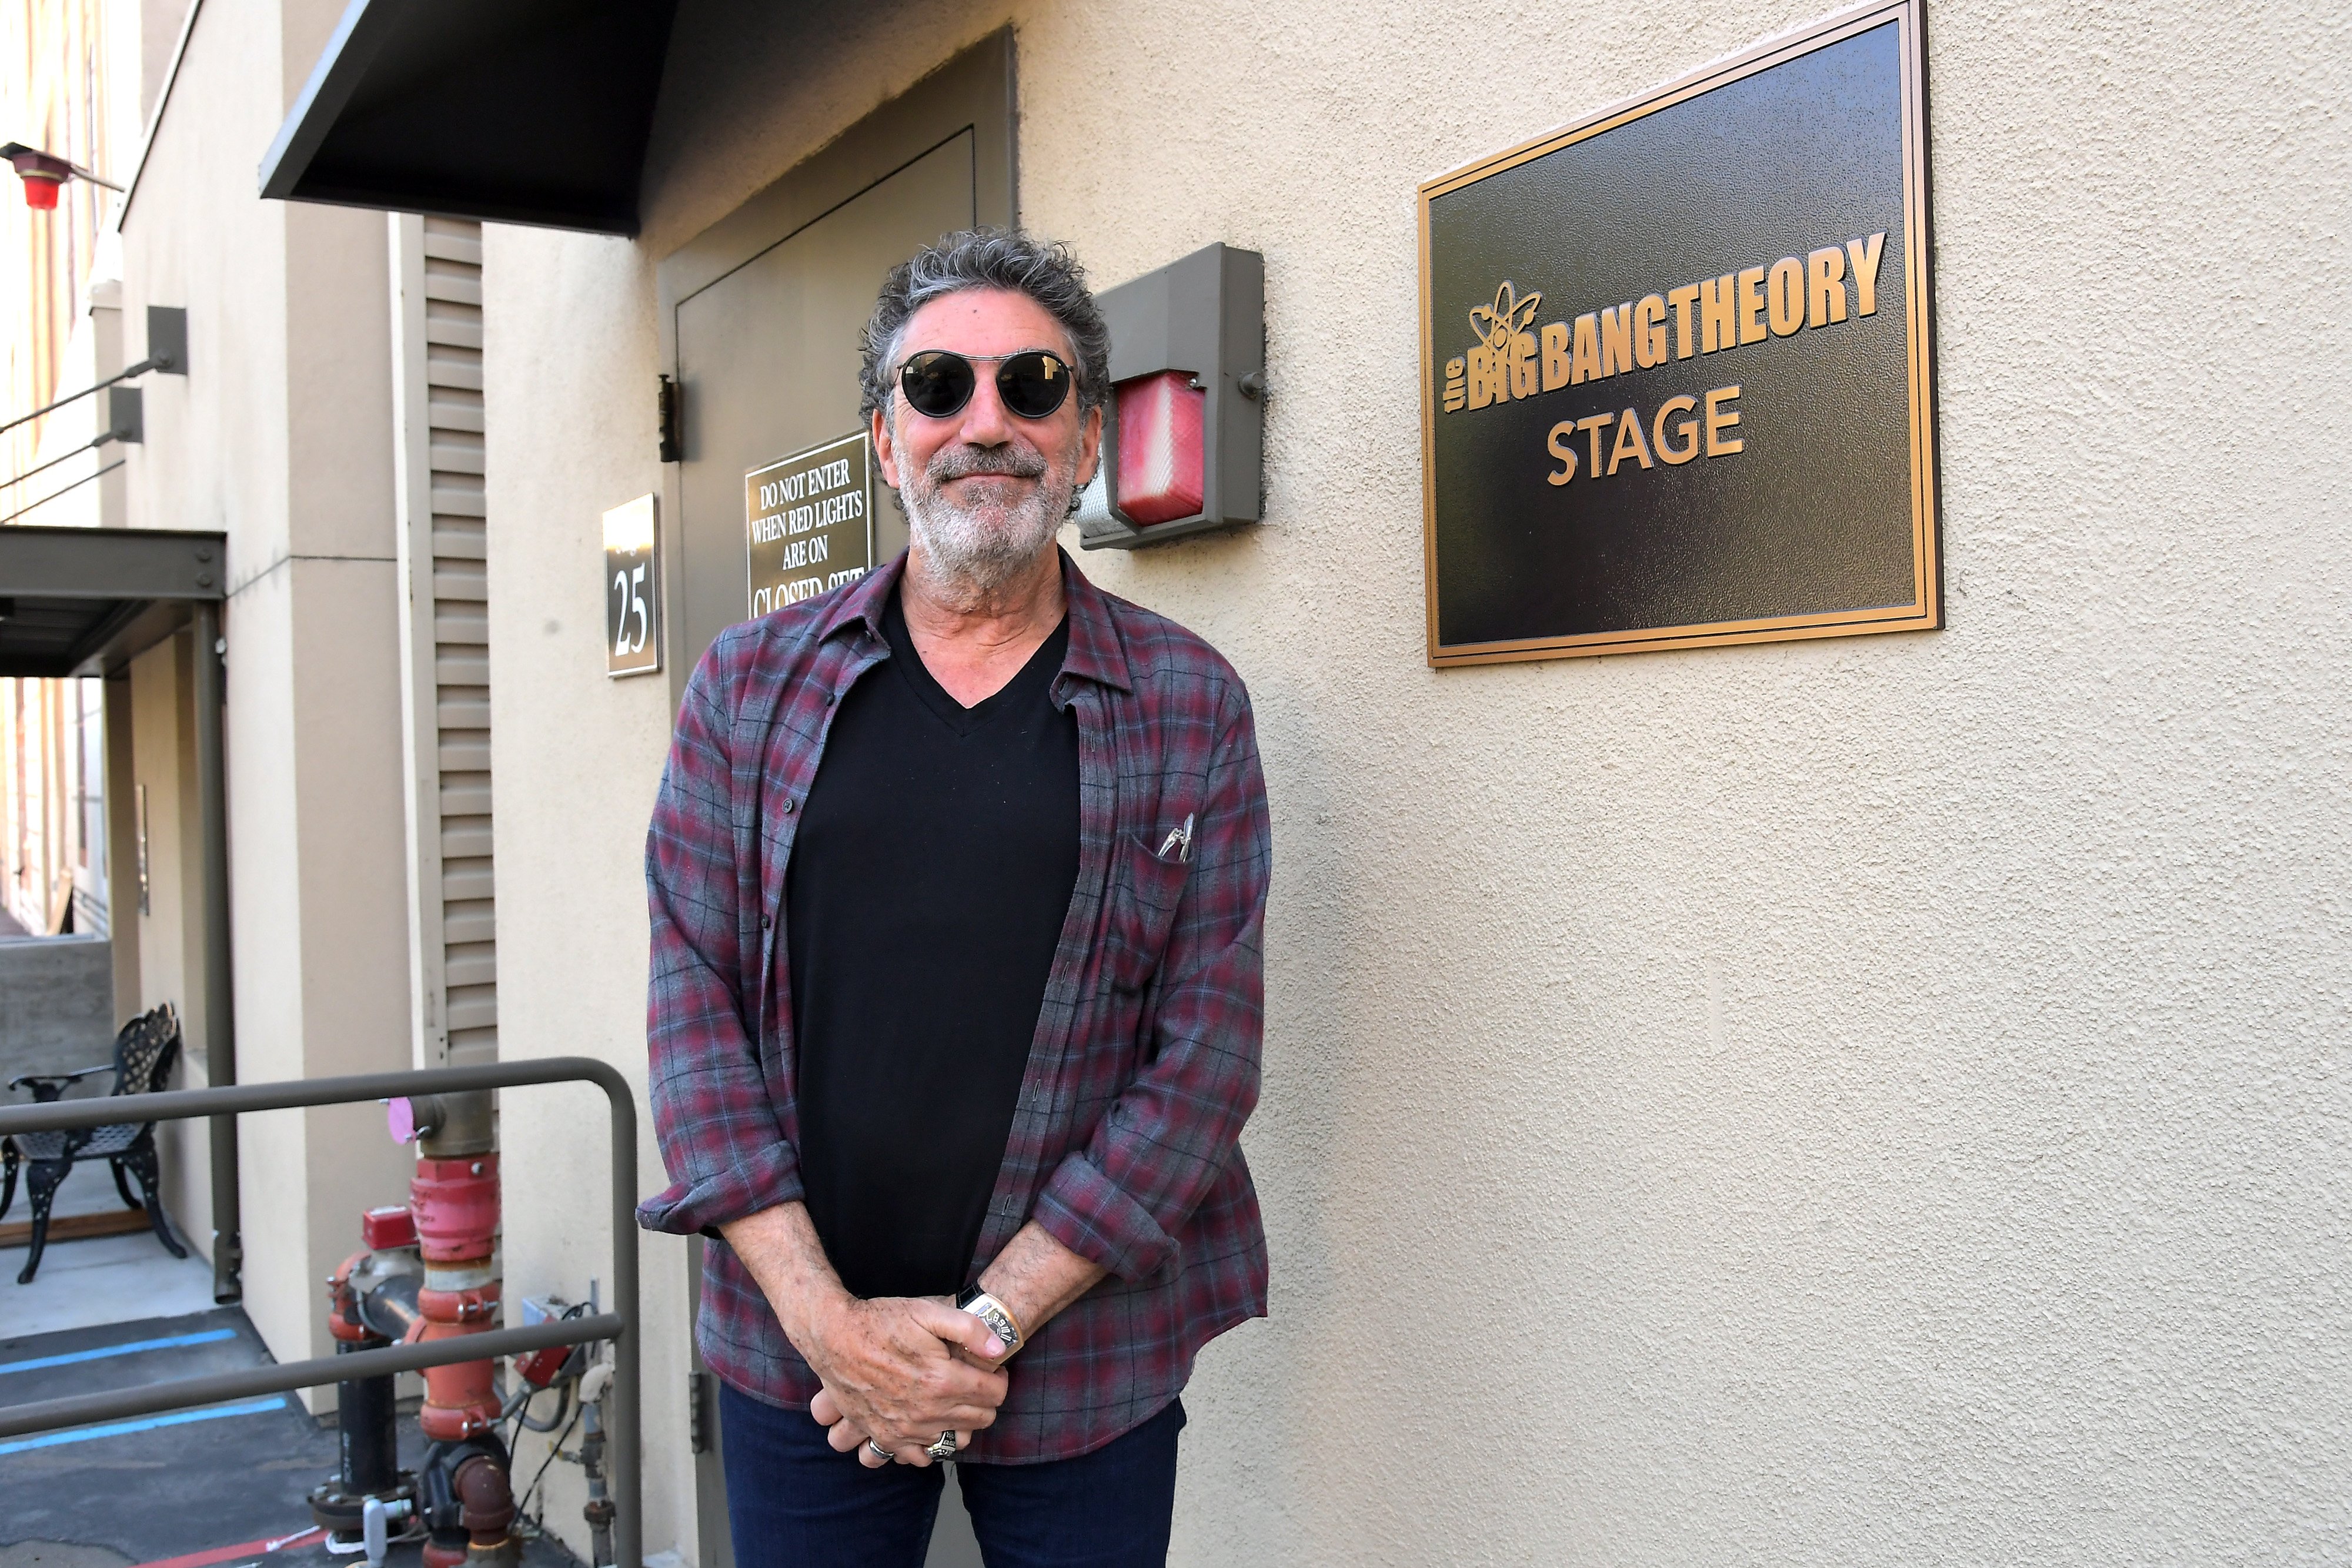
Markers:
{"x": 1183, "y": 440}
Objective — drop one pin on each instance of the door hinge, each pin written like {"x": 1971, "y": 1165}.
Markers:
{"x": 671, "y": 452}
{"x": 697, "y": 1412}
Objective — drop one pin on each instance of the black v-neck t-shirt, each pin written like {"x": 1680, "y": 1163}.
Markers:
{"x": 925, "y": 897}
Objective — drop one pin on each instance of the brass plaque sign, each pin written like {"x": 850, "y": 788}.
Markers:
{"x": 809, "y": 522}
{"x": 632, "y": 590}
{"x": 1676, "y": 381}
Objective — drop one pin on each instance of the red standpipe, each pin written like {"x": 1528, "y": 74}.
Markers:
{"x": 455, "y": 1206}
{"x": 453, "y": 1199}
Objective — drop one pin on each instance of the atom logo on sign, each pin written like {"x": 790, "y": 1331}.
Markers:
{"x": 1505, "y": 344}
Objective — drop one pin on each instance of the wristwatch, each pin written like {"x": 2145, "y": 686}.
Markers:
{"x": 996, "y": 1315}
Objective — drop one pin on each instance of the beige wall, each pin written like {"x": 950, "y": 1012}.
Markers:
{"x": 282, "y": 435}
{"x": 1863, "y": 1101}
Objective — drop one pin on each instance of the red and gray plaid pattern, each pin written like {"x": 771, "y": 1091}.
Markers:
{"x": 1125, "y": 1142}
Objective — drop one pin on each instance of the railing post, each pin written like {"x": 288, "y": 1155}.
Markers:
{"x": 626, "y": 1433}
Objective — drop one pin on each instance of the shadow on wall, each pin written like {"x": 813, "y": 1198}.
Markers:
{"x": 56, "y": 1004}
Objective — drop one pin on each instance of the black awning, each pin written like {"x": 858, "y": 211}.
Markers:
{"x": 529, "y": 111}
{"x": 82, "y": 601}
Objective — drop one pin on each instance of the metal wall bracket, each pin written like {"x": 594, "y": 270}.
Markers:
{"x": 167, "y": 339}
{"x": 125, "y": 415}
{"x": 672, "y": 449}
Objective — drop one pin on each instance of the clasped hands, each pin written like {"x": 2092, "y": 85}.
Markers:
{"x": 900, "y": 1371}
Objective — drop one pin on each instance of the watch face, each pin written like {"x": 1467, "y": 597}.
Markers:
{"x": 980, "y": 1304}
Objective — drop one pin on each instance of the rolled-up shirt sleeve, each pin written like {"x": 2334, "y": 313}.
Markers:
{"x": 1120, "y": 1201}
{"x": 720, "y": 1127}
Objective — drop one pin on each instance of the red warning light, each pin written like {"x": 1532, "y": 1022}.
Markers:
{"x": 1160, "y": 475}
{"x": 42, "y": 173}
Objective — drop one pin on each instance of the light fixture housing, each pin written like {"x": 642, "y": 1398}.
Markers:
{"x": 1184, "y": 437}
{"x": 41, "y": 173}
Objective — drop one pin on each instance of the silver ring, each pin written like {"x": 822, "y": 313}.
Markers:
{"x": 945, "y": 1449}
{"x": 885, "y": 1455}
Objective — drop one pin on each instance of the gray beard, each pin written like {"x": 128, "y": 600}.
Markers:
{"x": 975, "y": 552}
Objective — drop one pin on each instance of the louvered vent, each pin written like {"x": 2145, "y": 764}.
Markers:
{"x": 449, "y": 706}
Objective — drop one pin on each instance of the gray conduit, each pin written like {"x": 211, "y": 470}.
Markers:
{"x": 220, "y": 1014}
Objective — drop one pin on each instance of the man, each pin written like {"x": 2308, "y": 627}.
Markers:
{"x": 958, "y": 878}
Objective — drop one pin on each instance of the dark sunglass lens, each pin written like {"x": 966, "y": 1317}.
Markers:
{"x": 1035, "y": 384}
{"x": 936, "y": 383}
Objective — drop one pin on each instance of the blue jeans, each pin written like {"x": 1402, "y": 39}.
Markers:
{"x": 793, "y": 1502}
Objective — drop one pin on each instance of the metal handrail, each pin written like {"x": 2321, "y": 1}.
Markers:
{"x": 623, "y": 1418}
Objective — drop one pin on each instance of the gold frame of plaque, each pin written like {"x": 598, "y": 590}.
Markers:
{"x": 1923, "y": 609}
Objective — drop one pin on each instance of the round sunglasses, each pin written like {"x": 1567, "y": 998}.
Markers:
{"x": 1032, "y": 384}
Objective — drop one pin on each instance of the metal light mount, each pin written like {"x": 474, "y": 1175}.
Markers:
{"x": 1183, "y": 441}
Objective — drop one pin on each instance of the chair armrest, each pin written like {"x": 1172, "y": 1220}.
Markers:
{"x": 55, "y": 1083}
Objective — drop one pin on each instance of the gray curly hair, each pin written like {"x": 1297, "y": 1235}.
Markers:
{"x": 986, "y": 258}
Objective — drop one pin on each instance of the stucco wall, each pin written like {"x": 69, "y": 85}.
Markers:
{"x": 1865, "y": 1100}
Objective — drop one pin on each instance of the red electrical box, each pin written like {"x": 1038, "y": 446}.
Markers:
{"x": 381, "y": 1228}
{"x": 539, "y": 1367}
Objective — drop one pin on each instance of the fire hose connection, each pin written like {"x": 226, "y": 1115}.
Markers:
{"x": 429, "y": 1273}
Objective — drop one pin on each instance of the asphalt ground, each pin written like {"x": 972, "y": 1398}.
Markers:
{"x": 218, "y": 1484}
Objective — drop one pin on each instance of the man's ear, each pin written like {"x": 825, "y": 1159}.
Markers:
{"x": 884, "y": 451}
{"x": 1091, "y": 445}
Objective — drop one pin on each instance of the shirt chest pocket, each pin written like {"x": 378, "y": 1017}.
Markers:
{"x": 1147, "y": 879}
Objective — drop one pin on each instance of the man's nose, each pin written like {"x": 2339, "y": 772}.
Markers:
{"x": 986, "y": 420}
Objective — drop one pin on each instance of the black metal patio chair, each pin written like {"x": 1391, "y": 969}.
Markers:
{"x": 144, "y": 1054}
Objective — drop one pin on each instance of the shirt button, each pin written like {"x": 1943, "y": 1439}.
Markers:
{"x": 766, "y": 921}
{"x": 788, "y": 805}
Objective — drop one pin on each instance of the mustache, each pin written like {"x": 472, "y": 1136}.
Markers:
{"x": 965, "y": 461}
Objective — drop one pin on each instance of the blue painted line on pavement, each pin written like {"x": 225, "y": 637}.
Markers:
{"x": 210, "y": 1336}
{"x": 118, "y": 1428}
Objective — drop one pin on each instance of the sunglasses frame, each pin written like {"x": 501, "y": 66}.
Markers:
{"x": 970, "y": 362}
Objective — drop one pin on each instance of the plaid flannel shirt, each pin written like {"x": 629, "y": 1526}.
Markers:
{"x": 1125, "y": 1140}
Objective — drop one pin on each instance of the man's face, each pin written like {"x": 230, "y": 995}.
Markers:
{"x": 984, "y": 490}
